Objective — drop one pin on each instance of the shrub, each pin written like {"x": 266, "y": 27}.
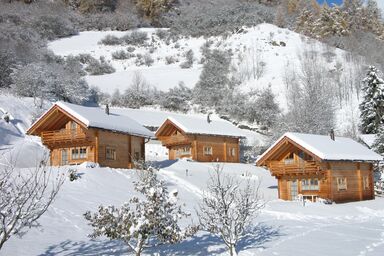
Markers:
{"x": 131, "y": 49}
{"x": 135, "y": 38}
{"x": 170, "y": 60}
{"x": 148, "y": 60}
{"x": 51, "y": 27}
{"x": 121, "y": 55}
{"x": 162, "y": 33}
{"x": 101, "y": 67}
{"x": 110, "y": 40}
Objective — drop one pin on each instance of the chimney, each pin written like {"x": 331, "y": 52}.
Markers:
{"x": 209, "y": 118}
{"x": 107, "y": 109}
{"x": 332, "y": 134}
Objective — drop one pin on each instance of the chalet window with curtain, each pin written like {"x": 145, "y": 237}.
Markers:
{"x": 75, "y": 153}
{"x": 73, "y": 126}
{"x": 110, "y": 153}
{"x": 341, "y": 184}
{"x": 365, "y": 182}
{"x": 310, "y": 184}
{"x": 207, "y": 151}
{"x": 232, "y": 152}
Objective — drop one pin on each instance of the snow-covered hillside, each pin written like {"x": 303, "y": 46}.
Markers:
{"x": 283, "y": 228}
{"x": 272, "y": 50}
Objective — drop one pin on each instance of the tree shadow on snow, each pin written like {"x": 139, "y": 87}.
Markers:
{"x": 92, "y": 247}
{"x": 257, "y": 236}
{"x": 163, "y": 164}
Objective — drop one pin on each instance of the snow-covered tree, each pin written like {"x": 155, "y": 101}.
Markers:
{"x": 267, "y": 109}
{"x": 25, "y": 195}
{"x": 139, "y": 93}
{"x": 177, "y": 98}
{"x": 153, "y": 217}
{"x": 214, "y": 80}
{"x": 372, "y": 106}
{"x": 229, "y": 207}
{"x": 378, "y": 145}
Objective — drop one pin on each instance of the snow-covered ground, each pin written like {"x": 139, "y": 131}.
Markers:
{"x": 283, "y": 228}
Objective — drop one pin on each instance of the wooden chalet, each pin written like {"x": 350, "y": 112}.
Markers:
{"x": 200, "y": 139}
{"x": 316, "y": 166}
{"x": 75, "y": 134}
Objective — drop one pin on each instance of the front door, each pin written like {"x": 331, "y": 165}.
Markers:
{"x": 64, "y": 156}
{"x": 294, "y": 189}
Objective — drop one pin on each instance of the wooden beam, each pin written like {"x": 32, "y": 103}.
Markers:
{"x": 96, "y": 146}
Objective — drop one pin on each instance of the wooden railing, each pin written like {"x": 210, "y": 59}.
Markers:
{"x": 62, "y": 136}
{"x": 174, "y": 140}
{"x": 295, "y": 168}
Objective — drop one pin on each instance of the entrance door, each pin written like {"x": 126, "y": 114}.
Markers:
{"x": 294, "y": 189}
{"x": 64, "y": 156}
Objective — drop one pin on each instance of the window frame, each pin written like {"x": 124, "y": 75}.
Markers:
{"x": 110, "y": 151}
{"x": 208, "y": 150}
{"x": 342, "y": 183}
{"x": 309, "y": 184}
{"x": 76, "y": 155}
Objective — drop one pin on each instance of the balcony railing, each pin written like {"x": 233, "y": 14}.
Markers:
{"x": 62, "y": 136}
{"x": 174, "y": 140}
{"x": 295, "y": 167}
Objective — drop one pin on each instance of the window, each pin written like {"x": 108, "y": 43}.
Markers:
{"x": 366, "y": 182}
{"x": 207, "y": 150}
{"x": 83, "y": 153}
{"x": 183, "y": 151}
{"x": 289, "y": 159}
{"x": 232, "y": 151}
{"x": 341, "y": 184}
{"x": 75, "y": 153}
{"x": 110, "y": 153}
{"x": 79, "y": 153}
{"x": 310, "y": 184}
{"x": 73, "y": 126}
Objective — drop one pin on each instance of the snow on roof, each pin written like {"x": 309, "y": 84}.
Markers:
{"x": 327, "y": 149}
{"x": 96, "y": 117}
{"x": 368, "y": 139}
{"x": 198, "y": 125}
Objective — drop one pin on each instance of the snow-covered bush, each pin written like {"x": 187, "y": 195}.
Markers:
{"x": 121, "y": 55}
{"x": 51, "y": 27}
{"x": 135, "y": 38}
{"x": 96, "y": 67}
{"x": 162, "y": 33}
{"x": 229, "y": 207}
{"x": 188, "y": 63}
{"x": 73, "y": 175}
{"x": 131, "y": 49}
{"x": 148, "y": 60}
{"x": 177, "y": 99}
{"x": 143, "y": 221}
{"x": 110, "y": 40}
{"x": 170, "y": 60}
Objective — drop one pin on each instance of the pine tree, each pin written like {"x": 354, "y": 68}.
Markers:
{"x": 372, "y": 106}
{"x": 378, "y": 145}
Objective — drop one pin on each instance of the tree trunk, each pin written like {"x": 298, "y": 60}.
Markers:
{"x": 232, "y": 250}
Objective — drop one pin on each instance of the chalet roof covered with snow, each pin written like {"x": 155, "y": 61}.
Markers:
{"x": 340, "y": 149}
{"x": 200, "y": 125}
{"x": 96, "y": 117}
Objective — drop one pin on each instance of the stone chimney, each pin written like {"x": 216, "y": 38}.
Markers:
{"x": 332, "y": 134}
{"x": 107, "y": 109}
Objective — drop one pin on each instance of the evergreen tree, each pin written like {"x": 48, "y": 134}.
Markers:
{"x": 378, "y": 145}
{"x": 372, "y": 106}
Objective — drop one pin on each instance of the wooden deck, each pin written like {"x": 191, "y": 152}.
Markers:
{"x": 62, "y": 137}
{"x": 295, "y": 168}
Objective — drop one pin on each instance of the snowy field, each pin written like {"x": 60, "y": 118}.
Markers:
{"x": 283, "y": 228}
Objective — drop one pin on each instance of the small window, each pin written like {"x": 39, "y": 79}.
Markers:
{"x": 110, "y": 153}
{"x": 207, "y": 150}
{"x": 83, "y": 153}
{"x": 341, "y": 184}
{"x": 289, "y": 159}
{"x": 366, "y": 183}
{"x": 310, "y": 184}
{"x": 232, "y": 152}
{"x": 73, "y": 125}
{"x": 184, "y": 151}
{"x": 75, "y": 153}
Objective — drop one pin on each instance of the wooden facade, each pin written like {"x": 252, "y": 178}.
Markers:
{"x": 301, "y": 173}
{"x": 71, "y": 142}
{"x": 198, "y": 147}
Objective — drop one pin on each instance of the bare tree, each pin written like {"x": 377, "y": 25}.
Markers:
{"x": 25, "y": 196}
{"x": 229, "y": 207}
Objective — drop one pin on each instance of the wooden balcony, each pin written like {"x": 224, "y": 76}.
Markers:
{"x": 174, "y": 140}
{"x": 51, "y": 138}
{"x": 279, "y": 168}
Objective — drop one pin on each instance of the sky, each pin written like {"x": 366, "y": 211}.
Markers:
{"x": 380, "y": 2}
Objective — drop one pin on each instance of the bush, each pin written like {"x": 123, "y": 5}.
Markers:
{"x": 110, "y": 40}
{"x": 188, "y": 63}
{"x": 131, "y": 49}
{"x": 148, "y": 60}
{"x": 121, "y": 55}
{"x": 170, "y": 60}
{"x": 162, "y": 33}
{"x": 135, "y": 38}
{"x": 51, "y": 27}
{"x": 101, "y": 67}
